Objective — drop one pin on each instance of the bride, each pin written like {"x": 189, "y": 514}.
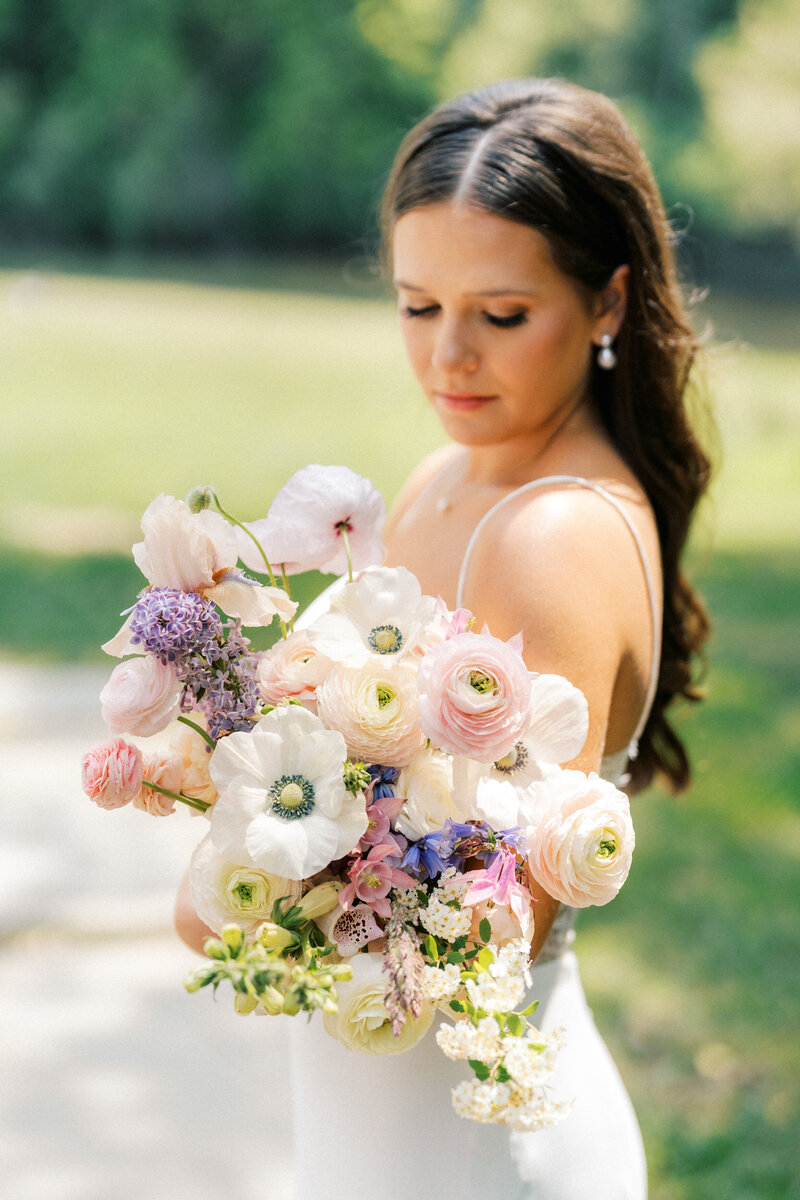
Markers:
{"x": 540, "y": 310}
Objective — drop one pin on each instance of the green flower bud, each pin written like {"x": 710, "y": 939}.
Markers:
{"x": 274, "y": 937}
{"x": 244, "y": 1004}
{"x": 199, "y": 498}
{"x": 356, "y": 777}
{"x": 320, "y": 900}
{"x": 233, "y": 938}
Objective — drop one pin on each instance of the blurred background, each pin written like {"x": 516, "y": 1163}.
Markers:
{"x": 189, "y": 294}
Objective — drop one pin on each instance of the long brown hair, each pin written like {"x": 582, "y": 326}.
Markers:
{"x": 561, "y": 159}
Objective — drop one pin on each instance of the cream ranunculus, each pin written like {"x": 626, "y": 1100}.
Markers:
{"x": 141, "y": 697}
{"x": 362, "y": 1023}
{"x": 427, "y": 784}
{"x": 580, "y": 847}
{"x": 225, "y": 893}
{"x": 376, "y": 708}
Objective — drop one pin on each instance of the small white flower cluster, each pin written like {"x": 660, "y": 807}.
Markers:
{"x": 513, "y": 958}
{"x": 439, "y": 918}
{"x": 465, "y": 1040}
{"x": 440, "y": 984}
{"x": 496, "y": 994}
{"x": 529, "y": 1060}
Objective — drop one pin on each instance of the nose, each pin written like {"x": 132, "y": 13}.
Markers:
{"x": 454, "y": 349}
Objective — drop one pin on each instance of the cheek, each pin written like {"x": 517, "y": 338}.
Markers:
{"x": 417, "y": 346}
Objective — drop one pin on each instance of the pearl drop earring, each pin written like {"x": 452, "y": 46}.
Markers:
{"x": 606, "y": 358}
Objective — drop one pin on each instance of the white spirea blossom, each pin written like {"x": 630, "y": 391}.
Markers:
{"x": 465, "y": 1040}
{"x": 440, "y": 984}
{"x": 480, "y": 1101}
{"x": 501, "y": 994}
{"x": 439, "y": 918}
{"x": 376, "y": 709}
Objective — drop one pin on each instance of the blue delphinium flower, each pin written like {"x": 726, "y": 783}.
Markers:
{"x": 385, "y": 779}
{"x": 423, "y": 858}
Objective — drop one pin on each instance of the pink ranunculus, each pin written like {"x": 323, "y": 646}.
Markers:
{"x": 474, "y": 695}
{"x": 580, "y": 847}
{"x": 166, "y": 769}
{"x": 303, "y": 528}
{"x": 111, "y": 773}
{"x": 293, "y": 667}
{"x": 141, "y": 697}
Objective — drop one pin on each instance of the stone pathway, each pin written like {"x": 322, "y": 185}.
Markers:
{"x": 116, "y": 1084}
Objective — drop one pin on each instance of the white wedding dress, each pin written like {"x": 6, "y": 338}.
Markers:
{"x": 369, "y": 1126}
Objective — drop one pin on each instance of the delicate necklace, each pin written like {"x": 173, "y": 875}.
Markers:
{"x": 445, "y": 502}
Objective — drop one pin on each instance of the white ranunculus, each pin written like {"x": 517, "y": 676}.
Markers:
{"x": 303, "y": 528}
{"x": 427, "y": 784}
{"x": 580, "y": 847}
{"x": 282, "y": 805}
{"x": 376, "y": 708}
{"x": 225, "y": 893}
{"x": 559, "y": 719}
{"x": 141, "y": 697}
{"x": 362, "y": 1023}
{"x": 382, "y": 613}
{"x": 293, "y": 667}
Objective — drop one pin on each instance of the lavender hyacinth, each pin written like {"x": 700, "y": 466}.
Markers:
{"x": 169, "y": 623}
{"x": 210, "y": 656}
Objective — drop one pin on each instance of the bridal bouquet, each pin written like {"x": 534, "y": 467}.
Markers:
{"x": 381, "y": 785}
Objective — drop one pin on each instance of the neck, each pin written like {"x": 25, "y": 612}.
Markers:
{"x": 504, "y": 463}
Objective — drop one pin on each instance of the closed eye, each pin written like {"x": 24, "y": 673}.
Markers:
{"x": 427, "y": 310}
{"x": 517, "y": 318}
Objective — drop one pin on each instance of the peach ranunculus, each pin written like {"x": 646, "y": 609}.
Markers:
{"x": 580, "y": 847}
{"x": 195, "y": 753}
{"x": 376, "y": 709}
{"x": 292, "y": 668}
{"x": 362, "y": 1023}
{"x": 141, "y": 697}
{"x": 166, "y": 769}
{"x": 303, "y": 528}
{"x": 198, "y": 552}
{"x": 474, "y": 695}
{"x": 111, "y": 773}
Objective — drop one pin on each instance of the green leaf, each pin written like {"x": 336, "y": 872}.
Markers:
{"x": 459, "y": 943}
{"x": 480, "y": 1068}
{"x": 502, "y": 1075}
{"x": 515, "y": 1024}
{"x": 455, "y": 958}
{"x": 456, "y": 1005}
{"x": 485, "y": 931}
{"x": 530, "y": 1010}
{"x": 430, "y": 947}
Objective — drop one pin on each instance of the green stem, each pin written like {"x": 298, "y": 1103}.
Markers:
{"x": 191, "y": 801}
{"x": 200, "y": 730}
{"x": 285, "y": 579}
{"x": 229, "y": 517}
{"x": 346, "y": 540}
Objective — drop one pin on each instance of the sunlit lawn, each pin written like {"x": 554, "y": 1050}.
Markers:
{"x": 114, "y": 391}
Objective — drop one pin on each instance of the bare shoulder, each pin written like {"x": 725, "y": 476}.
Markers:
{"x": 418, "y": 481}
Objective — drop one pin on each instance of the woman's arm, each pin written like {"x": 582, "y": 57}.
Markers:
{"x": 561, "y": 568}
{"x": 187, "y": 923}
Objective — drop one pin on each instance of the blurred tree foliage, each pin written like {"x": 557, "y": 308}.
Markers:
{"x": 267, "y": 123}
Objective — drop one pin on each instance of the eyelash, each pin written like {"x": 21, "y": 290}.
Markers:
{"x": 518, "y": 318}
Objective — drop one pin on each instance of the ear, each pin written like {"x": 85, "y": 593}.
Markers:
{"x": 611, "y": 304}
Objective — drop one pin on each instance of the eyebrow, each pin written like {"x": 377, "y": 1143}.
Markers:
{"x": 502, "y": 291}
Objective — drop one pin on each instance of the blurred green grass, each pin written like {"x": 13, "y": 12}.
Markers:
{"x": 116, "y": 389}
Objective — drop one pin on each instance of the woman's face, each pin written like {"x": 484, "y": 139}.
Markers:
{"x": 499, "y": 338}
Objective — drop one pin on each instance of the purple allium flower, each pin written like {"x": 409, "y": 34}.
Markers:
{"x": 169, "y": 623}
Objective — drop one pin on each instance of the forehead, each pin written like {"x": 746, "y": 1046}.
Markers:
{"x": 469, "y": 250}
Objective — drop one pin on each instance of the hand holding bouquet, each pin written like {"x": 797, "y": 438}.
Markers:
{"x": 380, "y": 785}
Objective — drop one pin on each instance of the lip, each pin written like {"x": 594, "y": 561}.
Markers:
{"x": 463, "y": 401}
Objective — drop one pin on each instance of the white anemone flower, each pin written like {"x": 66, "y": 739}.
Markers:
{"x": 283, "y": 806}
{"x": 197, "y": 552}
{"x": 383, "y": 613}
{"x": 225, "y": 893}
{"x": 303, "y": 528}
{"x": 559, "y": 720}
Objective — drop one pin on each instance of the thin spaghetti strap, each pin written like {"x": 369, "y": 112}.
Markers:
{"x": 655, "y": 659}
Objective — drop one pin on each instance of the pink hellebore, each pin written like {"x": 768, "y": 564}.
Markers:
{"x": 371, "y": 880}
{"x": 498, "y": 883}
